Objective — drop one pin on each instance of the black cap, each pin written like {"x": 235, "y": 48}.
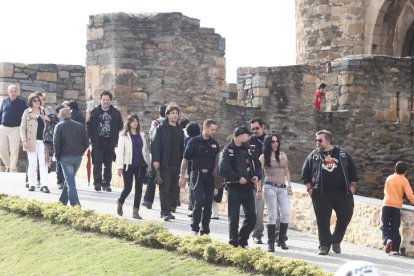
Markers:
{"x": 241, "y": 130}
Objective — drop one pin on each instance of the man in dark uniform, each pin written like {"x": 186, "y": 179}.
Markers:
{"x": 241, "y": 171}
{"x": 256, "y": 147}
{"x": 202, "y": 150}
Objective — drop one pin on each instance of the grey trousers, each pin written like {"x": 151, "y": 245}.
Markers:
{"x": 259, "y": 226}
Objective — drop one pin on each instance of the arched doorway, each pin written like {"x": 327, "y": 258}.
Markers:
{"x": 393, "y": 31}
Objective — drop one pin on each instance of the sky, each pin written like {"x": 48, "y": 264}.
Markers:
{"x": 257, "y": 32}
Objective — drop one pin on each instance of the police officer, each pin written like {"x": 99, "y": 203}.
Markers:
{"x": 202, "y": 150}
{"x": 256, "y": 147}
{"x": 241, "y": 170}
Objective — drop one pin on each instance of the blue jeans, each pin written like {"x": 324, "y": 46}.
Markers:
{"x": 70, "y": 165}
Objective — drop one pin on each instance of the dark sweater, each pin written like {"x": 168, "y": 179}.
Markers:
{"x": 11, "y": 112}
{"x": 70, "y": 138}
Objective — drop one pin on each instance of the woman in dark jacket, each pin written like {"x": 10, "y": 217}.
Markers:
{"x": 75, "y": 113}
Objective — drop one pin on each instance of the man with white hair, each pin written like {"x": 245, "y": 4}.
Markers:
{"x": 11, "y": 112}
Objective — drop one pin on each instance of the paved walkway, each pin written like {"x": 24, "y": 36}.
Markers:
{"x": 302, "y": 246}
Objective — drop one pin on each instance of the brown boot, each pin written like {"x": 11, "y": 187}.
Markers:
{"x": 119, "y": 209}
{"x": 135, "y": 214}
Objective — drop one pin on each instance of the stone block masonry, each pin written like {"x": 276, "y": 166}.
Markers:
{"x": 59, "y": 82}
{"x": 152, "y": 59}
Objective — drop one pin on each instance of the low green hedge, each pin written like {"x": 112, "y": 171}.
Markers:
{"x": 154, "y": 235}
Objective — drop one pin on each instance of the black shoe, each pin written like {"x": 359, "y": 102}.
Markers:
{"x": 98, "y": 188}
{"x": 323, "y": 250}
{"x": 108, "y": 189}
{"x": 257, "y": 240}
{"x": 32, "y": 189}
{"x": 190, "y": 215}
{"x": 215, "y": 218}
{"x": 27, "y": 185}
{"x": 336, "y": 247}
{"x": 60, "y": 186}
{"x": 45, "y": 189}
{"x": 147, "y": 204}
{"x": 168, "y": 217}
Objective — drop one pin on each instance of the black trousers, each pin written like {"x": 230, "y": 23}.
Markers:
{"x": 343, "y": 204}
{"x": 202, "y": 186}
{"x": 390, "y": 225}
{"x": 168, "y": 189}
{"x": 102, "y": 154}
{"x": 128, "y": 175}
{"x": 240, "y": 197}
{"x": 150, "y": 191}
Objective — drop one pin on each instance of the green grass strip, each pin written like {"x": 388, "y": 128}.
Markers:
{"x": 154, "y": 235}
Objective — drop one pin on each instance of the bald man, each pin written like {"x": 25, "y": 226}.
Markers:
{"x": 70, "y": 141}
{"x": 11, "y": 112}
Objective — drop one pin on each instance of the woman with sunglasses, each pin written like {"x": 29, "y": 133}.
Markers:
{"x": 32, "y": 130}
{"x": 132, "y": 159}
{"x": 276, "y": 189}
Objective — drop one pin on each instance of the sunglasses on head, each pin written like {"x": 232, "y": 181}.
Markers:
{"x": 255, "y": 128}
{"x": 318, "y": 140}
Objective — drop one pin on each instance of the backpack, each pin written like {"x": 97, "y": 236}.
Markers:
{"x": 50, "y": 128}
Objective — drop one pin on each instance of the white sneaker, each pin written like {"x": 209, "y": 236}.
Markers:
{"x": 194, "y": 233}
{"x": 394, "y": 253}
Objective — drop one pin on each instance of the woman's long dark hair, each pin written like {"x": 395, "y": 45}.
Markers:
{"x": 128, "y": 121}
{"x": 267, "y": 148}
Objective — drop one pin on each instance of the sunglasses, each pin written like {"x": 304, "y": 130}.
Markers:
{"x": 255, "y": 128}
{"x": 35, "y": 101}
{"x": 275, "y": 141}
{"x": 318, "y": 140}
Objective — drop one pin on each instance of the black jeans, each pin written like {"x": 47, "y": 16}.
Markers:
{"x": 150, "y": 191}
{"x": 59, "y": 173}
{"x": 202, "y": 186}
{"x": 240, "y": 197}
{"x": 343, "y": 204}
{"x": 168, "y": 189}
{"x": 102, "y": 154}
{"x": 128, "y": 174}
{"x": 390, "y": 225}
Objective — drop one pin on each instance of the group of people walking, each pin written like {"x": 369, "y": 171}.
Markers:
{"x": 252, "y": 168}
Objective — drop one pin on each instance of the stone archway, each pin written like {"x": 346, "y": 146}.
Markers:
{"x": 390, "y": 27}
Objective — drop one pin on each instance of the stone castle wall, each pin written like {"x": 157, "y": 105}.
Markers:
{"x": 152, "y": 59}
{"x": 283, "y": 97}
{"x": 328, "y": 29}
{"x": 59, "y": 82}
{"x": 375, "y": 96}
{"x": 331, "y": 29}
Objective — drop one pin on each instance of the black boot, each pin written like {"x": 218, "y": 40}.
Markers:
{"x": 282, "y": 236}
{"x": 271, "y": 237}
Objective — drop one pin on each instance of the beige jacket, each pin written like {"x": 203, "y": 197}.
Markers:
{"x": 28, "y": 128}
{"x": 124, "y": 150}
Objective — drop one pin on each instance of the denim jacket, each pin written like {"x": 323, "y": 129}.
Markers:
{"x": 312, "y": 169}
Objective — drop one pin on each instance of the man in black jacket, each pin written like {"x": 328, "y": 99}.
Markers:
{"x": 330, "y": 177}
{"x": 104, "y": 125}
{"x": 256, "y": 147}
{"x": 70, "y": 142}
{"x": 241, "y": 171}
{"x": 167, "y": 153}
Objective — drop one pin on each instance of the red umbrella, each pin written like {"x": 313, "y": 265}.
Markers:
{"x": 88, "y": 165}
